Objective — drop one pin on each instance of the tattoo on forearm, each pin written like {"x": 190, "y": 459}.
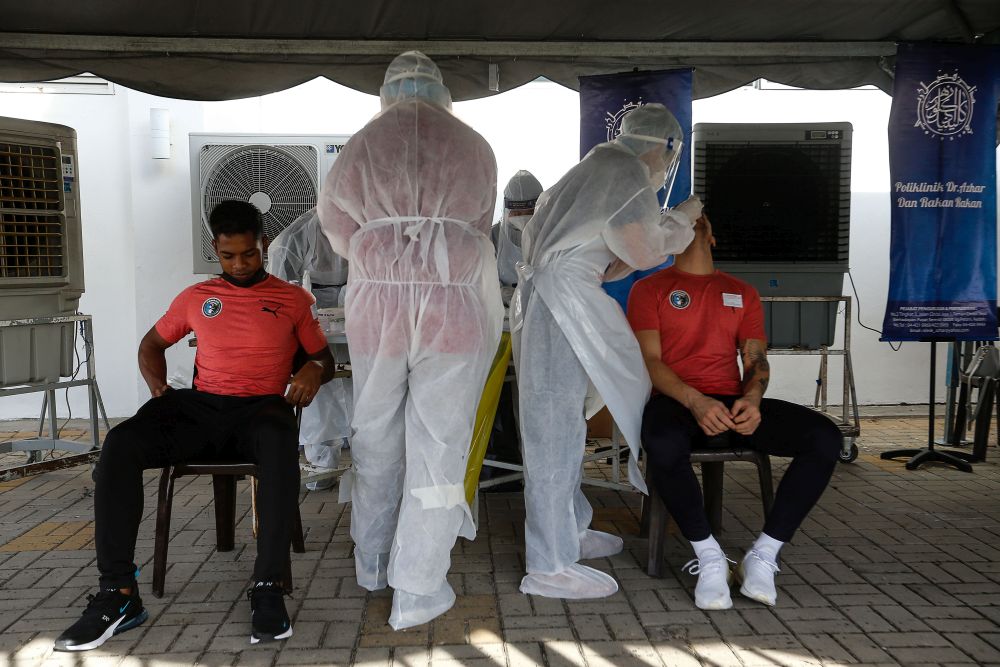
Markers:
{"x": 756, "y": 368}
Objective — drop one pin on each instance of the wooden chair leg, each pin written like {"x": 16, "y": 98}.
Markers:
{"x": 657, "y": 517}
{"x": 225, "y": 511}
{"x": 164, "y": 503}
{"x": 711, "y": 481}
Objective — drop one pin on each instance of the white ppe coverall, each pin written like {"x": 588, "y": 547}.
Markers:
{"x": 302, "y": 254}
{"x": 409, "y": 201}
{"x": 519, "y": 196}
{"x": 574, "y": 348}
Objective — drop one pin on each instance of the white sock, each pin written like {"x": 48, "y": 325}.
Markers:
{"x": 768, "y": 547}
{"x": 702, "y": 547}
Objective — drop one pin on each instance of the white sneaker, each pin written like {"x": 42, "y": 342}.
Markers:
{"x": 596, "y": 544}
{"x": 576, "y": 582}
{"x": 714, "y": 577}
{"x": 757, "y": 574}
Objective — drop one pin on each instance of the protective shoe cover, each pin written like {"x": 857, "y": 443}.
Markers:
{"x": 302, "y": 254}
{"x": 371, "y": 570}
{"x": 714, "y": 578}
{"x": 573, "y": 347}
{"x": 409, "y": 610}
{"x": 576, "y": 582}
{"x": 596, "y": 544}
{"x": 757, "y": 574}
{"x": 409, "y": 200}
{"x": 520, "y": 195}
{"x": 324, "y": 455}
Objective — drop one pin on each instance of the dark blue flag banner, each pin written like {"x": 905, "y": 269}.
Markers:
{"x": 942, "y": 159}
{"x": 604, "y": 101}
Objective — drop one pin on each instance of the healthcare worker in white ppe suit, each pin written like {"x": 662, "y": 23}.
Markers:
{"x": 519, "y": 199}
{"x": 575, "y": 351}
{"x": 409, "y": 201}
{"x": 301, "y": 254}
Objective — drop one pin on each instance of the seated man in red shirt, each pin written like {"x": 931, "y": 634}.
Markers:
{"x": 690, "y": 321}
{"x": 249, "y": 326}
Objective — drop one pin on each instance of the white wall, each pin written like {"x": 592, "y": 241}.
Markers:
{"x": 136, "y": 210}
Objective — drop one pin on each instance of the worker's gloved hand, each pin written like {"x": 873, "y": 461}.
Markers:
{"x": 691, "y": 207}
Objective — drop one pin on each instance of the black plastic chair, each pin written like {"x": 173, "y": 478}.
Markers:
{"x": 712, "y": 456}
{"x": 224, "y": 476}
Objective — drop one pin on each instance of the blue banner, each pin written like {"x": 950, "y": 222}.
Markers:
{"x": 942, "y": 160}
{"x": 604, "y": 101}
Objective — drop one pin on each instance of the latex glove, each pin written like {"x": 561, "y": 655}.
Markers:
{"x": 691, "y": 207}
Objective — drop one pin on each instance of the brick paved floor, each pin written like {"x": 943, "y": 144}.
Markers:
{"x": 893, "y": 567}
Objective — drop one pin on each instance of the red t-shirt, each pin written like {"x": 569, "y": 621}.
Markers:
{"x": 247, "y": 336}
{"x": 702, "y": 320}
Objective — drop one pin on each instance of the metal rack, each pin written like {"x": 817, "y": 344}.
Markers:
{"x": 83, "y": 452}
{"x": 848, "y": 420}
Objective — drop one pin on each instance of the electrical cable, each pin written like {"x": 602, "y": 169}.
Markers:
{"x": 857, "y": 300}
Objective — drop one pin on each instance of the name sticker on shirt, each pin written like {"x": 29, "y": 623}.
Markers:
{"x": 732, "y": 300}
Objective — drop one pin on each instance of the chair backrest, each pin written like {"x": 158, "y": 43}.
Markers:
{"x": 985, "y": 363}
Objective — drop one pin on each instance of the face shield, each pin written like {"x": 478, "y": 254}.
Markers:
{"x": 653, "y": 133}
{"x": 519, "y": 199}
{"x": 672, "y": 159}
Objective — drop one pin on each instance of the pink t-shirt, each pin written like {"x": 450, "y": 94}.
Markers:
{"x": 247, "y": 336}
{"x": 703, "y": 320}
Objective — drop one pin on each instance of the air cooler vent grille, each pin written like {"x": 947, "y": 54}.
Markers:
{"x": 777, "y": 202}
{"x": 29, "y": 177}
{"x": 275, "y": 174}
{"x": 31, "y": 241}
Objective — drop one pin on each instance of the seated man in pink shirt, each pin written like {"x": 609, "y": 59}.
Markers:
{"x": 691, "y": 321}
{"x": 249, "y": 327}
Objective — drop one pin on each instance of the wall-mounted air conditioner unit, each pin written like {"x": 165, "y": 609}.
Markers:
{"x": 779, "y": 198}
{"x": 280, "y": 174}
{"x": 41, "y": 249}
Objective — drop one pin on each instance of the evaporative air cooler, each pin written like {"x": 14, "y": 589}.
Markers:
{"x": 779, "y": 198}
{"x": 41, "y": 252}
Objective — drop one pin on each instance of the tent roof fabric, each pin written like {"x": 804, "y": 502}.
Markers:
{"x": 228, "y": 49}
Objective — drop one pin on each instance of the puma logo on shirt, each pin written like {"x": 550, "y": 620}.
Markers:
{"x": 272, "y": 308}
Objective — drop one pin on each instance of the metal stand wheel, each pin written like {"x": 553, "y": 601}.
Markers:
{"x": 849, "y": 452}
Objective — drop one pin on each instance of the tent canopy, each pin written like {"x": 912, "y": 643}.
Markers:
{"x": 227, "y": 49}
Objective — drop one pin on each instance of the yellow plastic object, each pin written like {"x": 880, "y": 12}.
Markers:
{"x": 484, "y": 416}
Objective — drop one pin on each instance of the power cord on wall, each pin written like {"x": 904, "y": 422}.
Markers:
{"x": 857, "y": 300}
{"x": 88, "y": 346}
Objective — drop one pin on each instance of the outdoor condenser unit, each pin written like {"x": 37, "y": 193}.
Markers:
{"x": 41, "y": 251}
{"x": 779, "y": 198}
{"x": 280, "y": 174}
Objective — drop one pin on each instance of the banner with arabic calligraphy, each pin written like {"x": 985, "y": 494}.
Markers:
{"x": 942, "y": 160}
{"x": 604, "y": 101}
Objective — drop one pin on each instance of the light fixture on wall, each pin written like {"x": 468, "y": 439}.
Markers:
{"x": 494, "y": 82}
{"x": 159, "y": 133}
